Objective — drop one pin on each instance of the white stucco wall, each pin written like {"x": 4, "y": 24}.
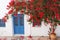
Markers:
{"x": 39, "y": 31}
{"x": 29, "y": 30}
{"x": 7, "y": 30}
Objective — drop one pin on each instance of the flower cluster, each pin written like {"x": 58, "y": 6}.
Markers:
{"x": 39, "y": 10}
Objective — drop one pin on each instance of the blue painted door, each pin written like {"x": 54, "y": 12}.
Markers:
{"x": 18, "y": 23}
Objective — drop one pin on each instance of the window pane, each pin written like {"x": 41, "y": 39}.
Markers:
{"x": 21, "y": 20}
{"x": 16, "y": 21}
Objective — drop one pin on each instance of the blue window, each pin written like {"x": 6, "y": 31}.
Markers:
{"x": 2, "y": 23}
{"x": 18, "y": 23}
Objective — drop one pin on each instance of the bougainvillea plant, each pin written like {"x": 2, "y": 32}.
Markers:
{"x": 38, "y": 10}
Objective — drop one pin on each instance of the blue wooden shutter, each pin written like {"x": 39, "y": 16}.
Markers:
{"x": 2, "y": 23}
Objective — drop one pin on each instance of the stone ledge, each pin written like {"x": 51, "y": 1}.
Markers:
{"x": 26, "y": 38}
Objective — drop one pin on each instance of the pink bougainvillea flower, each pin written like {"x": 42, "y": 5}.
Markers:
{"x": 57, "y": 16}
{"x": 41, "y": 14}
{"x": 54, "y": 0}
{"x": 10, "y": 11}
{"x": 4, "y": 19}
{"x": 30, "y": 36}
{"x": 11, "y": 3}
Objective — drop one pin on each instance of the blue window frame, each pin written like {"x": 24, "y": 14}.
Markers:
{"x": 18, "y": 23}
{"x": 2, "y": 23}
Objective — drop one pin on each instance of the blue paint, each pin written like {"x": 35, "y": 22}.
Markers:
{"x": 18, "y": 23}
{"x": 2, "y": 23}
